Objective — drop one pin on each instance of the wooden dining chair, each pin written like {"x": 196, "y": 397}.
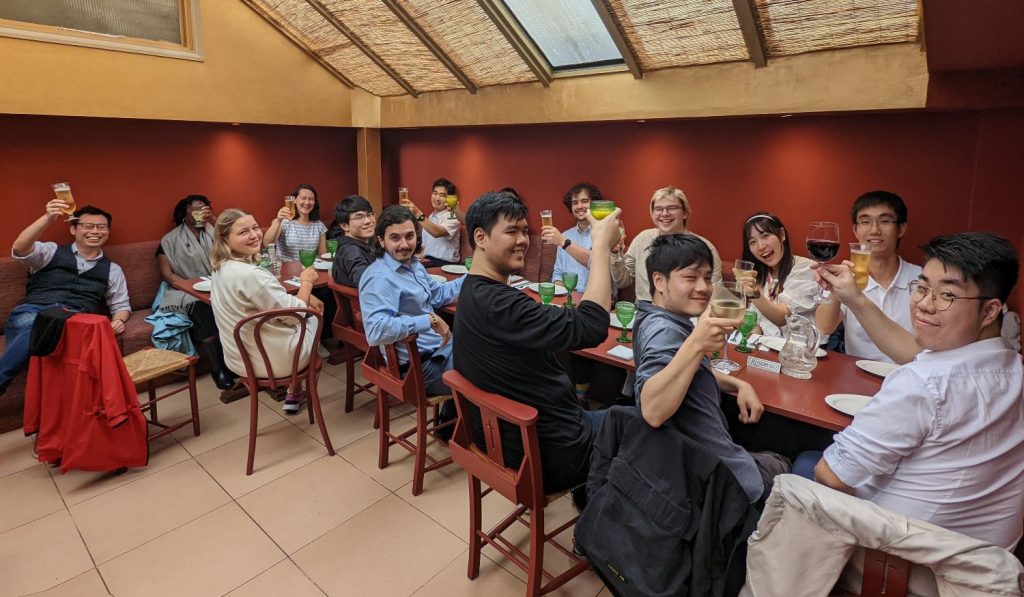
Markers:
{"x": 148, "y": 365}
{"x": 409, "y": 389}
{"x": 309, "y": 374}
{"x": 348, "y": 330}
{"x": 523, "y": 486}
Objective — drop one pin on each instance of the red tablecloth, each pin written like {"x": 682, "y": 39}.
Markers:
{"x": 82, "y": 402}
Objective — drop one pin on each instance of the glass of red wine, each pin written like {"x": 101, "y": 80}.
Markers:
{"x": 823, "y": 246}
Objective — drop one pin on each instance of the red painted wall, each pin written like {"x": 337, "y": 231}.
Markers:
{"x": 139, "y": 169}
{"x": 946, "y": 166}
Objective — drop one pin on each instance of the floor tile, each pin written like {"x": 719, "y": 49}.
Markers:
{"x": 389, "y": 549}
{"x": 343, "y": 428}
{"x": 304, "y": 504}
{"x": 398, "y": 472}
{"x": 84, "y": 585}
{"x": 280, "y": 449}
{"x": 27, "y": 496}
{"x": 283, "y": 579}
{"x": 223, "y": 424}
{"x": 125, "y": 518}
{"x": 177, "y": 406}
{"x": 78, "y": 486}
{"x": 15, "y": 452}
{"x": 211, "y": 555}
{"x": 453, "y": 581}
{"x": 41, "y": 555}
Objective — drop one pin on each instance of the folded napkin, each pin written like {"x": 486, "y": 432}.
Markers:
{"x": 294, "y": 282}
{"x": 621, "y": 352}
{"x": 521, "y": 284}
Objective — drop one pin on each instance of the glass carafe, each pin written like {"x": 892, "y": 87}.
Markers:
{"x": 797, "y": 356}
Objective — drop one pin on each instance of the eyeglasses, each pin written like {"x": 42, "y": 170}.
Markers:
{"x": 667, "y": 209}
{"x": 942, "y": 300}
{"x": 359, "y": 217}
{"x": 91, "y": 227}
{"x": 883, "y": 223}
{"x": 439, "y": 194}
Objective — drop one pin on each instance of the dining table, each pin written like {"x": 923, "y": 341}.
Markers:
{"x": 289, "y": 271}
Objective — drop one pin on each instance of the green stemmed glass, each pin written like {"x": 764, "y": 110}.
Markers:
{"x": 332, "y": 247}
{"x": 546, "y": 290}
{"x": 469, "y": 263}
{"x": 748, "y": 325}
{"x": 307, "y": 257}
{"x": 569, "y": 280}
{"x": 624, "y": 312}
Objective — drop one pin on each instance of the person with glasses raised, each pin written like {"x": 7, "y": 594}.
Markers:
{"x": 354, "y": 216}
{"x": 943, "y": 440}
{"x": 670, "y": 212}
{"x": 76, "y": 276}
{"x": 879, "y": 220}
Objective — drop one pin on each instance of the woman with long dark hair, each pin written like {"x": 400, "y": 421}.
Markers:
{"x": 303, "y": 230}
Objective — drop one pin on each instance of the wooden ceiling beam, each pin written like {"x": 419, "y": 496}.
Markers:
{"x": 619, "y": 37}
{"x": 748, "y": 25}
{"x": 520, "y": 42}
{"x": 431, "y": 45}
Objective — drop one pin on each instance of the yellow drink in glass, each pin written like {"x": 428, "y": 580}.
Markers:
{"x": 602, "y": 209}
{"x": 860, "y": 255}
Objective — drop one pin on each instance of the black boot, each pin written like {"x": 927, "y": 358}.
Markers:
{"x": 222, "y": 376}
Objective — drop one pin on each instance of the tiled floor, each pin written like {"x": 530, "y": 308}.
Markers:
{"x": 191, "y": 523}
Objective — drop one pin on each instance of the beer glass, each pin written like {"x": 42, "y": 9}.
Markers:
{"x": 546, "y": 218}
{"x": 860, "y": 255}
{"x": 63, "y": 192}
{"x": 403, "y": 195}
{"x": 289, "y": 202}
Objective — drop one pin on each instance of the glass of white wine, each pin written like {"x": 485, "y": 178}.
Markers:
{"x": 728, "y": 301}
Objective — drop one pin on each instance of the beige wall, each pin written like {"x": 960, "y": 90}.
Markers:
{"x": 251, "y": 73}
{"x": 882, "y": 77}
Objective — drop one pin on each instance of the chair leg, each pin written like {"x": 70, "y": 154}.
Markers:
{"x": 475, "y": 544}
{"x": 310, "y": 387}
{"x": 314, "y": 404}
{"x": 253, "y": 424}
{"x": 350, "y": 381}
{"x": 193, "y": 398}
{"x": 535, "y": 575}
{"x": 421, "y": 451}
{"x": 151, "y": 390}
{"x": 384, "y": 416}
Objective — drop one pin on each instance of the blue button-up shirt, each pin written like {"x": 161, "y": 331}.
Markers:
{"x": 564, "y": 262}
{"x": 397, "y": 299}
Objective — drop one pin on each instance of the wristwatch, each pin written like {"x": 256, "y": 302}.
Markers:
{"x": 421, "y": 217}
{"x": 566, "y": 244}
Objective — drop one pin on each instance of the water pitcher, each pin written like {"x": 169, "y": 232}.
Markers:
{"x": 797, "y": 356}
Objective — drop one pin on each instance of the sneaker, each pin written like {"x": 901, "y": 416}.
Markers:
{"x": 293, "y": 402}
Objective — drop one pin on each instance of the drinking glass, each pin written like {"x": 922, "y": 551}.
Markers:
{"x": 624, "y": 311}
{"x": 748, "y": 325}
{"x": 743, "y": 270}
{"x": 602, "y": 209}
{"x": 199, "y": 217}
{"x": 332, "y": 247}
{"x": 569, "y": 280}
{"x": 546, "y": 219}
{"x": 403, "y": 195}
{"x": 307, "y": 257}
{"x": 451, "y": 201}
{"x": 469, "y": 263}
{"x": 289, "y": 202}
{"x": 728, "y": 301}
{"x": 546, "y": 290}
{"x": 860, "y": 255}
{"x": 63, "y": 192}
{"x": 823, "y": 246}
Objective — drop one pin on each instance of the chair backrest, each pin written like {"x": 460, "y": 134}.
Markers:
{"x": 258, "y": 320}
{"x": 386, "y": 374}
{"x": 523, "y": 485}
{"x": 348, "y": 319}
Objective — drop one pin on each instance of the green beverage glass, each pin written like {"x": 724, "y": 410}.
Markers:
{"x": 602, "y": 209}
{"x": 307, "y": 257}
{"x": 748, "y": 325}
{"x": 546, "y": 290}
{"x": 569, "y": 280}
{"x": 469, "y": 263}
{"x": 624, "y": 312}
{"x": 332, "y": 247}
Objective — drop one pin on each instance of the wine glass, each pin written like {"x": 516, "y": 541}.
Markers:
{"x": 748, "y": 325}
{"x": 624, "y": 311}
{"x": 307, "y": 257}
{"x": 728, "y": 301}
{"x": 823, "y": 246}
{"x": 332, "y": 246}
{"x": 569, "y": 280}
{"x": 452, "y": 201}
{"x": 546, "y": 290}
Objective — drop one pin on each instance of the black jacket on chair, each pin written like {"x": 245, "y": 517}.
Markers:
{"x": 664, "y": 516}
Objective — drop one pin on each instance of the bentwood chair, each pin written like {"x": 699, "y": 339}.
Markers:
{"x": 408, "y": 389}
{"x": 348, "y": 330}
{"x": 523, "y": 486}
{"x": 274, "y": 380}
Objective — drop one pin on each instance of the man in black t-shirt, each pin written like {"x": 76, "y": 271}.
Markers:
{"x": 506, "y": 341}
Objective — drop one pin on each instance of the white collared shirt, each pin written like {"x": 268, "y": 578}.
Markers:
{"x": 894, "y": 302}
{"x": 444, "y": 247}
{"x": 943, "y": 441}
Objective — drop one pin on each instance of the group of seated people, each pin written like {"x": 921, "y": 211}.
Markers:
{"x": 943, "y": 440}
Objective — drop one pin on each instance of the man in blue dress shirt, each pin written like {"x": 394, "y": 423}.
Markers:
{"x": 574, "y": 244}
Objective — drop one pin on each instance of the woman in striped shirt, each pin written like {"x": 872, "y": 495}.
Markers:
{"x": 303, "y": 231}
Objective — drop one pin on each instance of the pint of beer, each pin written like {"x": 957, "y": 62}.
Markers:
{"x": 289, "y": 202}
{"x": 860, "y": 255}
{"x": 403, "y": 194}
{"x": 63, "y": 192}
{"x": 546, "y": 219}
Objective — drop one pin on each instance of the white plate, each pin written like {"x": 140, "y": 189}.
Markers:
{"x": 614, "y": 322}
{"x": 454, "y": 269}
{"x": 775, "y": 343}
{"x": 849, "y": 404}
{"x": 322, "y": 265}
{"x": 559, "y": 290}
{"x": 440, "y": 279}
{"x": 877, "y": 367}
{"x": 203, "y": 286}
{"x": 326, "y": 256}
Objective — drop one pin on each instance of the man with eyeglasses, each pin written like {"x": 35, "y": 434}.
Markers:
{"x": 75, "y": 276}
{"x": 670, "y": 212}
{"x": 943, "y": 440}
{"x": 879, "y": 220}
{"x": 354, "y": 215}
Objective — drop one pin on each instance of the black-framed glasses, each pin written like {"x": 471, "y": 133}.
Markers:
{"x": 882, "y": 223}
{"x": 943, "y": 299}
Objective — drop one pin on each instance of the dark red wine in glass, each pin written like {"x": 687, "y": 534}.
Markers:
{"x": 823, "y": 246}
{"x": 822, "y": 251}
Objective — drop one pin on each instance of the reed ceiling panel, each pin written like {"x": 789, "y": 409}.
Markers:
{"x": 797, "y": 26}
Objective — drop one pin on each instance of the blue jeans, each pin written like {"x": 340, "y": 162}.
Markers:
{"x": 17, "y": 332}
{"x": 804, "y": 464}
{"x": 597, "y": 418}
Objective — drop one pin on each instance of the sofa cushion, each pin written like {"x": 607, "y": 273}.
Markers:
{"x": 138, "y": 260}
{"x": 15, "y": 276}
{"x": 137, "y": 332}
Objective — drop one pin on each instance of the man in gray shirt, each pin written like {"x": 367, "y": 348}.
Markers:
{"x": 675, "y": 383}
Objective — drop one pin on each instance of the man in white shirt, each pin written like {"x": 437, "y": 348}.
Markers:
{"x": 880, "y": 220}
{"x": 943, "y": 440}
{"x": 440, "y": 229}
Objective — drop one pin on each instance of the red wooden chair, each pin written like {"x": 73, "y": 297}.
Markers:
{"x": 348, "y": 330}
{"x": 524, "y": 486}
{"x": 387, "y": 376}
{"x": 309, "y": 374}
